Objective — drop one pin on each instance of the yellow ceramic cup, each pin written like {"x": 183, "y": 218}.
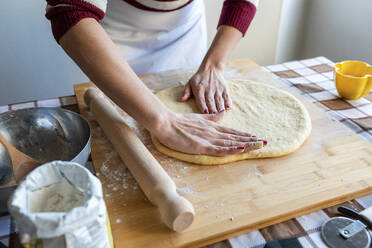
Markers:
{"x": 353, "y": 79}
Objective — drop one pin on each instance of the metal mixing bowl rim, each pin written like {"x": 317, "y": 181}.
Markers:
{"x": 57, "y": 108}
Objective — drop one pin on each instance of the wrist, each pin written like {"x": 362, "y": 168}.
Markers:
{"x": 161, "y": 121}
{"x": 223, "y": 44}
{"x": 208, "y": 64}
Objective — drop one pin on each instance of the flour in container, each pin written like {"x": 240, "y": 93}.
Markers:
{"x": 59, "y": 197}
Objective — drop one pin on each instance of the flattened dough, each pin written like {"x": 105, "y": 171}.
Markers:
{"x": 259, "y": 109}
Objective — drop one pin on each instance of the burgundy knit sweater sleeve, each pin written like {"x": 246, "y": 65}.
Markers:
{"x": 238, "y": 14}
{"x": 63, "y": 14}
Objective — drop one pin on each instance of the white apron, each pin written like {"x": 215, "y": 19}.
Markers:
{"x": 158, "y": 41}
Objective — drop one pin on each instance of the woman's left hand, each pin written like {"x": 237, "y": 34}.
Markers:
{"x": 210, "y": 90}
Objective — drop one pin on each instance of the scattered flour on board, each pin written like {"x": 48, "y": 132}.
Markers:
{"x": 257, "y": 172}
{"x": 210, "y": 205}
{"x": 110, "y": 155}
{"x": 220, "y": 204}
{"x": 118, "y": 179}
{"x": 185, "y": 169}
{"x": 185, "y": 191}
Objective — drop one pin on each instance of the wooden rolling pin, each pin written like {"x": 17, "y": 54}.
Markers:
{"x": 22, "y": 163}
{"x": 176, "y": 211}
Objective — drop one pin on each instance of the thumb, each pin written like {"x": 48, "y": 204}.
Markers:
{"x": 186, "y": 94}
{"x": 214, "y": 117}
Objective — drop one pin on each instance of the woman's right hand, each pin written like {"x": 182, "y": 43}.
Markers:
{"x": 200, "y": 134}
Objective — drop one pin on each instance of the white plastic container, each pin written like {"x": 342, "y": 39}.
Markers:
{"x": 60, "y": 204}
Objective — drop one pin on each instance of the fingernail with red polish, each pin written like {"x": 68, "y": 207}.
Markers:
{"x": 205, "y": 111}
{"x": 241, "y": 147}
{"x": 227, "y": 106}
{"x": 265, "y": 142}
{"x": 254, "y": 136}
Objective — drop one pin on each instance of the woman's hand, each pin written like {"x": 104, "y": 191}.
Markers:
{"x": 208, "y": 84}
{"x": 210, "y": 90}
{"x": 200, "y": 134}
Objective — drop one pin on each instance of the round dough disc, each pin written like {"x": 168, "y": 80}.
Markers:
{"x": 259, "y": 109}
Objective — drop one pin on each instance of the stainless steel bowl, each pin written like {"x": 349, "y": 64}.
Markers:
{"x": 45, "y": 134}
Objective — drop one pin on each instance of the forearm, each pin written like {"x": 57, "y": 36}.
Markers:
{"x": 94, "y": 52}
{"x": 222, "y": 46}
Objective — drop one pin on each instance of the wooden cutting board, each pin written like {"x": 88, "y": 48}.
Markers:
{"x": 333, "y": 166}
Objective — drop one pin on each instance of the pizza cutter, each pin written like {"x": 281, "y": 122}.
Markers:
{"x": 343, "y": 232}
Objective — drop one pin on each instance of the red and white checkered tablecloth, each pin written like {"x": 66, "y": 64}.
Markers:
{"x": 312, "y": 78}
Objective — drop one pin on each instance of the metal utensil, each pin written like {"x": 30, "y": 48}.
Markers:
{"x": 363, "y": 216}
{"x": 45, "y": 134}
{"x": 342, "y": 232}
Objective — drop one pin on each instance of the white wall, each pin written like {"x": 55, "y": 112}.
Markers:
{"x": 336, "y": 29}
{"x": 339, "y": 30}
{"x": 291, "y": 30}
{"x": 260, "y": 41}
{"x": 32, "y": 65}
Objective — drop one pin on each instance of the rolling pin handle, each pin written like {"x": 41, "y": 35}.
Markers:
{"x": 176, "y": 212}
